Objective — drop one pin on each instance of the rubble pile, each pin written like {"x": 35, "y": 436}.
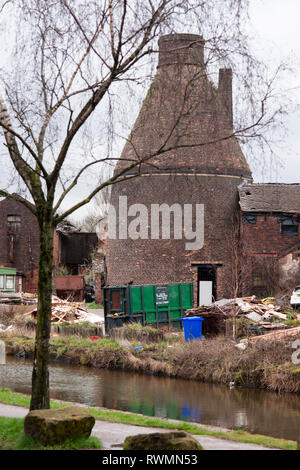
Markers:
{"x": 261, "y": 315}
{"x": 64, "y": 311}
{"x": 289, "y": 335}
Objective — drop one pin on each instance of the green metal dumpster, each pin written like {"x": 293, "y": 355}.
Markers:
{"x": 158, "y": 305}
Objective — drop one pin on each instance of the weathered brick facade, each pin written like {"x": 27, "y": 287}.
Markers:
{"x": 19, "y": 245}
{"x": 273, "y": 255}
{"x": 196, "y": 173}
{"x": 270, "y": 219}
{"x": 264, "y": 237}
{"x": 19, "y": 242}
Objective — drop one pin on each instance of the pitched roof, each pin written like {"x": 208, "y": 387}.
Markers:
{"x": 270, "y": 197}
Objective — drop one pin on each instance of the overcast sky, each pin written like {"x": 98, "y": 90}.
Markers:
{"x": 277, "y": 23}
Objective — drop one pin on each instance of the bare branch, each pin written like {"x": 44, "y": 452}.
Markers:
{"x": 29, "y": 176}
{"x": 18, "y": 198}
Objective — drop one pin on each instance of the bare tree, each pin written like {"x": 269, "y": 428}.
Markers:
{"x": 240, "y": 281}
{"x": 63, "y": 85}
{"x": 98, "y": 213}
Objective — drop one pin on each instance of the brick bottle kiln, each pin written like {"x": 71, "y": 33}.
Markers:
{"x": 185, "y": 113}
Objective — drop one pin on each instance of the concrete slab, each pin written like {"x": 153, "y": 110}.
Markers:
{"x": 96, "y": 314}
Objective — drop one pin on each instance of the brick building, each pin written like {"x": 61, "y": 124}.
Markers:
{"x": 250, "y": 230}
{"x": 270, "y": 218}
{"x": 19, "y": 247}
{"x": 196, "y": 173}
{"x": 19, "y": 243}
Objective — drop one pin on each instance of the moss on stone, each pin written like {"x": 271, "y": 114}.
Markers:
{"x": 178, "y": 440}
{"x": 55, "y": 426}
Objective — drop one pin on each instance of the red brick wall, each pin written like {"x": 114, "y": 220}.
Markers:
{"x": 26, "y": 242}
{"x": 167, "y": 261}
{"x": 266, "y": 244}
{"x": 265, "y": 238}
{"x": 30, "y": 281}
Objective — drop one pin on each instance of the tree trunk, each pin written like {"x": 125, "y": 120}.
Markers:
{"x": 40, "y": 375}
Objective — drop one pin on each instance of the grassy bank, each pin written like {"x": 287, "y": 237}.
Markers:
{"x": 9, "y": 397}
{"x": 12, "y": 437}
{"x": 265, "y": 365}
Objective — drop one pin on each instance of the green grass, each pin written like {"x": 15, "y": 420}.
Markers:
{"x": 12, "y": 398}
{"x": 93, "y": 305}
{"x": 79, "y": 342}
{"x": 12, "y": 437}
{"x": 22, "y": 340}
{"x": 292, "y": 322}
{"x": 239, "y": 435}
{"x": 139, "y": 327}
{"x": 243, "y": 436}
{"x": 84, "y": 324}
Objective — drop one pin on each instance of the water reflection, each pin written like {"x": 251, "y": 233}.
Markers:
{"x": 254, "y": 410}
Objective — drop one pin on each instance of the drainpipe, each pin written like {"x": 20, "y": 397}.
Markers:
{"x": 11, "y": 247}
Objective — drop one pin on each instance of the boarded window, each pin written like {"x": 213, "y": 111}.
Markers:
{"x": 13, "y": 222}
{"x": 249, "y": 219}
{"x": 289, "y": 226}
{"x": 289, "y": 230}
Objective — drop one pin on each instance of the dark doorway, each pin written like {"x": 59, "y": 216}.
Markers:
{"x": 207, "y": 277}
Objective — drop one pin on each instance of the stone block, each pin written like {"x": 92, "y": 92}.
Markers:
{"x": 177, "y": 440}
{"x": 55, "y": 426}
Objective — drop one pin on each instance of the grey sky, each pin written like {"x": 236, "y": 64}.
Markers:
{"x": 277, "y": 23}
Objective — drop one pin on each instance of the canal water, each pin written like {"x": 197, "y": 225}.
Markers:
{"x": 256, "y": 411}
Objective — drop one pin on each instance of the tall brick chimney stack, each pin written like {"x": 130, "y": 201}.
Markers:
{"x": 183, "y": 49}
{"x": 225, "y": 91}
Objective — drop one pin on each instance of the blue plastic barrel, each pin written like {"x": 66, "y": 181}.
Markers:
{"x": 192, "y": 327}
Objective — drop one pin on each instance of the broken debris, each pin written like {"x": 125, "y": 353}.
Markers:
{"x": 287, "y": 335}
{"x": 262, "y": 315}
{"x": 65, "y": 311}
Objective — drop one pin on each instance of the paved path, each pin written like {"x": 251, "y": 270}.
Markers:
{"x": 97, "y": 313}
{"x": 112, "y": 435}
